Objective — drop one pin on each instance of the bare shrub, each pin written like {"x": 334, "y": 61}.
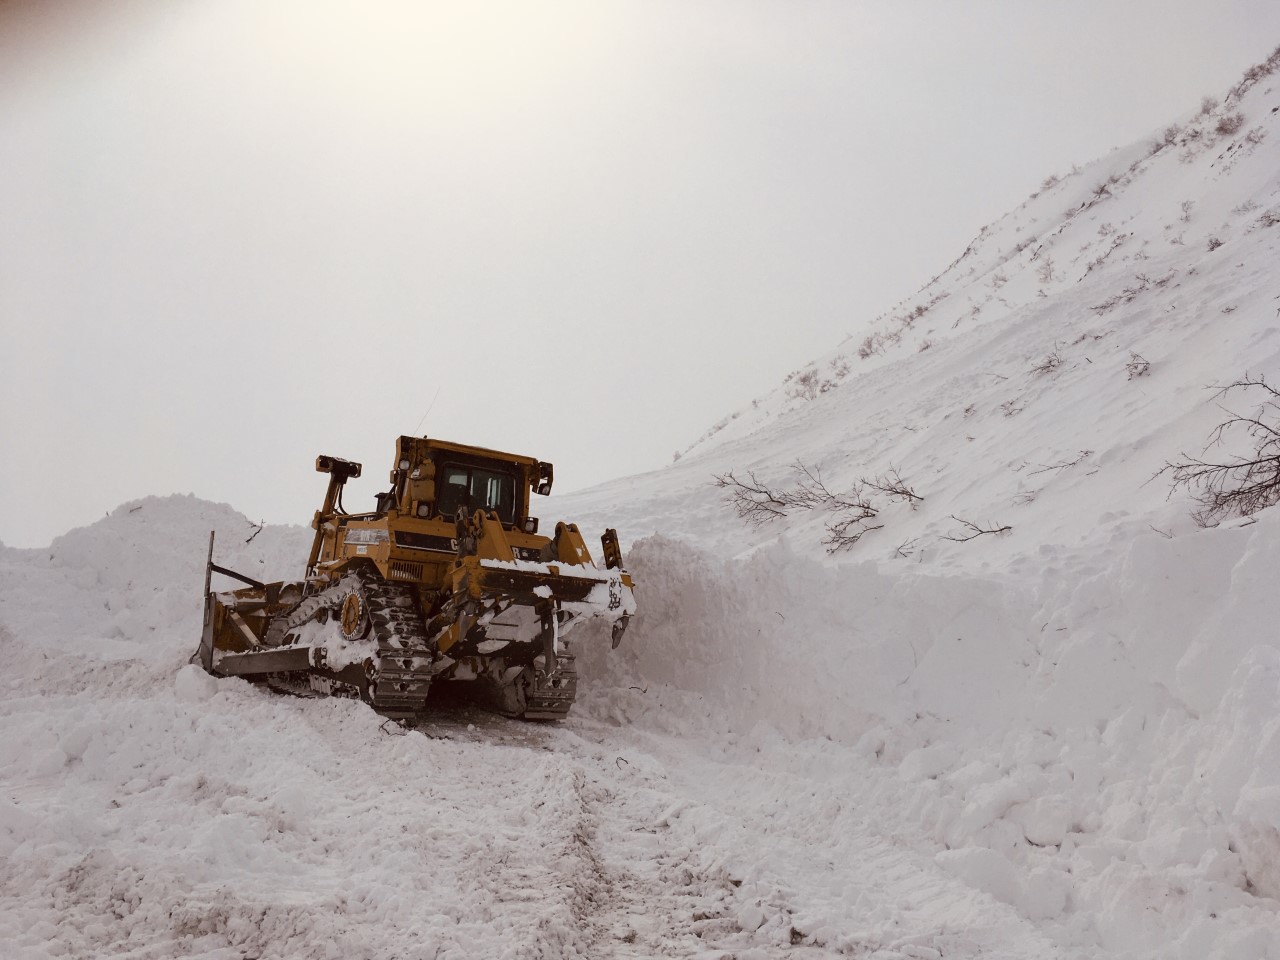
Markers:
{"x": 847, "y": 529}
{"x": 808, "y": 384}
{"x": 972, "y": 531}
{"x": 1255, "y": 73}
{"x": 1191, "y": 139}
{"x": 1132, "y": 292}
{"x": 1186, "y": 210}
{"x": 1214, "y": 244}
{"x": 1046, "y": 274}
{"x": 1236, "y": 485}
{"x": 925, "y": 344}
{"x": 1061, "y": 464}
{"x": 893, "y": 486}
{"x": 1116, "y": 242}
{"x": 840, "y": 366}
{"x": 870, "y": 345}
{"x": 754, "y": 501}
{"x": 1208, "y": 105}
{"x": 1229, "y": 124}
{"x": 1138, "y": 366}
{"x": 852, "y": 512}
{"x": 907, "y": 548}
{"x": 1050, "y": 363}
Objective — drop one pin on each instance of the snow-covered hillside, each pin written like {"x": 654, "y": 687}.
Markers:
{"x": 1059, "y": 741}
{"x": 1084, "y": 328}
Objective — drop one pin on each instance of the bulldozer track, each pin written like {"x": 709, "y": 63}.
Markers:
{"x": 402, "y": 674}
{"x": 398, "y": 677}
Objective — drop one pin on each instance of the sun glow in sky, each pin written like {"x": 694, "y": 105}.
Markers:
{"x": 237, "y": 235}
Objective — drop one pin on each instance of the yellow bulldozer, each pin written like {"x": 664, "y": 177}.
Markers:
{"x": 447, "y": 578}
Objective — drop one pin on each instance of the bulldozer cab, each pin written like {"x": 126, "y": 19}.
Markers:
{"x": 435, "y": 478}
{"x": 469, "y": 488}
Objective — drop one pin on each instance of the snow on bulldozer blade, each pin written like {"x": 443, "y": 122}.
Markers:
{"x": 446, "y": 579}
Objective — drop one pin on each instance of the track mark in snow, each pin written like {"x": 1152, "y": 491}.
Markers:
{"x": 745, "y": 859}
{"x": 651, "y": 895}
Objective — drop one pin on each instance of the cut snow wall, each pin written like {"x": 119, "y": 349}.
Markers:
{"x": 1156, "y": 653}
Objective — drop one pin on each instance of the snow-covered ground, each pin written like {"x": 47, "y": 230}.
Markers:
{"x": 1060, "y": 741}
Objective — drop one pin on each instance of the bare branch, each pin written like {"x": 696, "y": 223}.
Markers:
{"x": 892, "y": 485}
{"x": 844, "y": 533}
{"x": 758, "y": 503}
{"x": 1062, "y": 465}
{"x": 1239, "y": 485}
{"x": 754, "y": 501}
{"x": 1138, "y": 366}
{"x": 975, "y": 530}
{"x": 1248, "y": 381}
{"x": 1050, "y": 363}
{"x": 907, "y": 548}
{"x": 811, "y": 492}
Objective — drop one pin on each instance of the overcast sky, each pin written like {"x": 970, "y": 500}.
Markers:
{"x": 235, "y": 234}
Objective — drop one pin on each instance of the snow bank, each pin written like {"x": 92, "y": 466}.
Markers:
{"x": 812, "y": 649}
{"x": 1057, "y": 740}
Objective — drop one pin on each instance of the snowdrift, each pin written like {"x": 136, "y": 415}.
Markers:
{"x": 1115, "y": 719}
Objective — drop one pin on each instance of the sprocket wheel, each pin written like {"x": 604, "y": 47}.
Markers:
{"x": 352, "y": 616}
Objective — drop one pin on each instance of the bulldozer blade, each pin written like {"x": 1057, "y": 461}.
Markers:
{"x": 282, "y": 660}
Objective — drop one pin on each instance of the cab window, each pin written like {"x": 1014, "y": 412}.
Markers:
{"x": 475, "y": 488}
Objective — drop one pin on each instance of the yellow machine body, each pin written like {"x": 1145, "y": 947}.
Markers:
{"x": 448, "y": 578}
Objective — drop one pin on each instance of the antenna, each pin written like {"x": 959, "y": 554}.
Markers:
{"x": 424, "y": 416}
